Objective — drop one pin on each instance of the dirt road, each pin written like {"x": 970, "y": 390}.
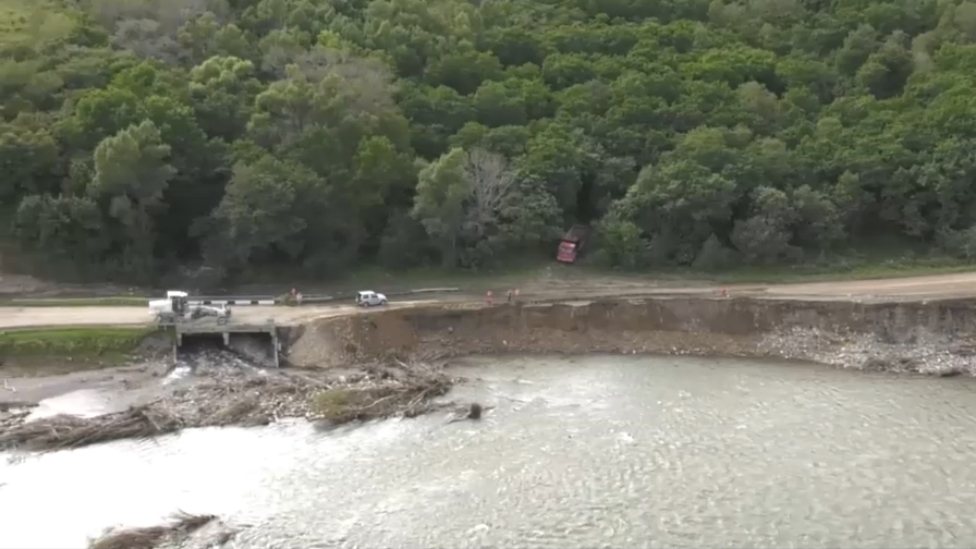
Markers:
{"x": 916, "y": 288}
{"x": 924, "y": 287}
{"x": 902, "y": 289}
{"x": 24, "y": 317}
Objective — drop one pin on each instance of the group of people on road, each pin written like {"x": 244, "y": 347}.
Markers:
{"x": 296, "y": 296}
{"x": 510, "y": 297}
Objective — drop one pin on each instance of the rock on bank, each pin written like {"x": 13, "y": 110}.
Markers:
{"x": 928, "y": 337}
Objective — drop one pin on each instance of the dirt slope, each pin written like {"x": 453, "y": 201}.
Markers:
{"x": 916, "y": 336}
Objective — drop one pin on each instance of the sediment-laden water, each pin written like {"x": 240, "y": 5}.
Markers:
{"x": 584, "y": 452}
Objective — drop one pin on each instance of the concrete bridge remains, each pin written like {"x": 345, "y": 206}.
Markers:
{"x": 257, "y": 341}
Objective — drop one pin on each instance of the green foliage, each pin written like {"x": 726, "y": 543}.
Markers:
{"x": 77, "y": 302}
{"x": 261, "y": 211}
{"x": 141, "y": 136}
{"x": 79, "y": 342}
{"x": 622, "y": 243}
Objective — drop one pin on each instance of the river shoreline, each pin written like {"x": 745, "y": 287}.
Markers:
{"x": 395, "y": 356}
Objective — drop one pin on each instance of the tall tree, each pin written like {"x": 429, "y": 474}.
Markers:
{"x": 132, "y": 172}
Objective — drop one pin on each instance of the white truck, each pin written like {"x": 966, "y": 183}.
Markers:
{"x": 177, "y": 308}
{"x": 169, "y": 310}
{"x": 370, "y": 298}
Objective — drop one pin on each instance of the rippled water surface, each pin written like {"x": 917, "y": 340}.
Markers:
{"x": 586, "y": 452}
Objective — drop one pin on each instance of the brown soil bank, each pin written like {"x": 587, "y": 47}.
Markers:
{"x": 928, "y": 337}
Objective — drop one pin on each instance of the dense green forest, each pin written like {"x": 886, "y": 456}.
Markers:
{"x": 139, "y": 136}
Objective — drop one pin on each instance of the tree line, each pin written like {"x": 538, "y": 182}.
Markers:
{"x": 139, "y": 136}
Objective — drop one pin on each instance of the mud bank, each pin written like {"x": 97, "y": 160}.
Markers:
{"x": 935, "y": 337}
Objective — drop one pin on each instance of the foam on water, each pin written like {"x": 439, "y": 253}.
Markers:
{"x": 81, "y": 403}
{"x": 595, "y": 452}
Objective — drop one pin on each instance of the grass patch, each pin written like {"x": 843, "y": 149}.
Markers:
{"x": 116, "y": 301}
{"x": 482, "y": 281}
{"x": 438, "y": 276}
{"x": 390, "y": 281}
{"x": 75, "y": 342}
{"x": 888, "y": 269}
{"x": 839, "y": 270}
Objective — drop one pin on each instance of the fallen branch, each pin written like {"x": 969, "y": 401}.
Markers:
{"x": 407, "y": 392}
{"x": 151, "y": 537}
{"x": 242, "y": 399}
{"x": 7, "y": 406}
{"x": 60, "y": 432}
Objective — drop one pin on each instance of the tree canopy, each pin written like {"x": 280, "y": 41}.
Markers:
{"x": 141, "y": 136}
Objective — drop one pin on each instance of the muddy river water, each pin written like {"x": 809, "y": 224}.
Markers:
{"x": 579, "y": 452}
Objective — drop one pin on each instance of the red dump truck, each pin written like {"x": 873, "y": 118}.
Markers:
{"x": 571, "y": 244}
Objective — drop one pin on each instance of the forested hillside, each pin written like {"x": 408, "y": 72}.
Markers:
{"x": 142, "y": 135}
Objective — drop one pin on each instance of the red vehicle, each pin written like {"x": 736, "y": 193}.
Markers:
{"x": 571, "y": 244}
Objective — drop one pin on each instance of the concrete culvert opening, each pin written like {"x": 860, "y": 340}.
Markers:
{"x": 198, "y": 343}
{"x": 259, "y": 348}
{"x": 256, "y": 348}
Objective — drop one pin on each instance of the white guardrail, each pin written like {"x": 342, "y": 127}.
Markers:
{"x": 238, "y": 301}
{"x": 309, "y": 299}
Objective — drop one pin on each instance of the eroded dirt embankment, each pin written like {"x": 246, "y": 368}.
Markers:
{"x": 387, "y": 362}
{"x": 929, "y": 337}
